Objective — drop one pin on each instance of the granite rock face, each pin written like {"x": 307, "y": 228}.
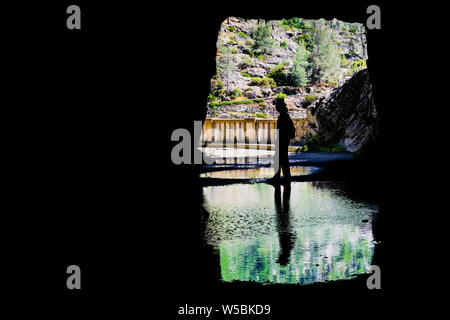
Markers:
{"x": 347, "y": 116}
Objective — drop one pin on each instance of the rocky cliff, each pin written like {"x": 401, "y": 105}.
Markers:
{"x": 318, "y": 66}
{"x": 347, "y": 117}
{"x": 257, "y": 63}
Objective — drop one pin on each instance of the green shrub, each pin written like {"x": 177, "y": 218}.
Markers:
{"x": 242, "y": 34}
{"x": 353, "y": 30}
{"x": 349, "y": 72}
{"x": 263, "y": 82}
{"x": 280, "y": 96}
{"x": 231, "y": 28}
{"x": 310, "y": 98}
{"x": 344, "y": 62}
{"x": 249, "y": 52}
{"x": 283, "y": 45}
{"x": 302, "y": 149}
{"x": 261, "y": 57}
{"x": 246, "y": 62}
{"x": 279, "y": 76}
{"x": 333, "y": 83}
{"x": 217, "y": 91}
{"x": 246, "y": 74}
{"x": 236, "y": 93}
{"x": 293, "y": 23}
{"x": 261, "y": 115}
{"x": 306, "y": 39}
{"x": 211, "y": 98}
{"x": 334, "y": 148}
{"x": 226, "y": 103}
{"x": 222, "y": 48}
{"x": 262, "y": 36}
{"x": 269, "y": 82}
{"x": 316, "y": 143}
{"x": 286, "y": 28}
{"x": 249, "y": 42}
{"x": 358, "y": 65}
{"x": 255, "y": 81}
{"x": 338, "y": 148}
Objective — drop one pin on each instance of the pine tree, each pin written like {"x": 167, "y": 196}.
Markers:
{"x": 262, "y": 36}
{"x": 299, "y": 69}
{"x": 325, "y": 62}
{"x": 226, "y": 66}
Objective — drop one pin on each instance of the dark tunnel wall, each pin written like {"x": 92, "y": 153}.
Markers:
{"x": 97, "y": 112}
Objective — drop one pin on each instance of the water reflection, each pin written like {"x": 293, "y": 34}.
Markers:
{"x": 253, "y": 173}
{"x": 286, "y": 235}
{"x": 305, "y": 233}
{"x": 231, "y": 155}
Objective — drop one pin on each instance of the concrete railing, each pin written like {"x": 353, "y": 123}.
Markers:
{"x": 246, "y": 131}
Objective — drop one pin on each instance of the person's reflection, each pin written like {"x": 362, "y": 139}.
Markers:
{"x": 285, "y": 235}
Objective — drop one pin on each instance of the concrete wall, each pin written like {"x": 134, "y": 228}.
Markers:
{"x": 251, "y": 130}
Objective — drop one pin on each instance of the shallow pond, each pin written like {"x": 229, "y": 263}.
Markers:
{"x": 254, "y": 173}
{"x": 239, "y": 156}
{"x": 307, "y": 233}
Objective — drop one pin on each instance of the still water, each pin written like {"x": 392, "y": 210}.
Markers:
{"x": 254, "y": 173}
{"x": 307, "y": 233}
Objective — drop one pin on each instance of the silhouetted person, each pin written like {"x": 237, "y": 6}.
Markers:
{"x": 286, "y": 132}
{"x": 285, "y": 235}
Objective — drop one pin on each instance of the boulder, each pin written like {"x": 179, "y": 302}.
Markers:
{"x": 347, "y": 116}
{"x": 257, "y": 72}
{"x": 266, "y": 91}
{"x": 271, "y": 61}
{"x": 253, "y": 93}
{"x": 286, "y": 90}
